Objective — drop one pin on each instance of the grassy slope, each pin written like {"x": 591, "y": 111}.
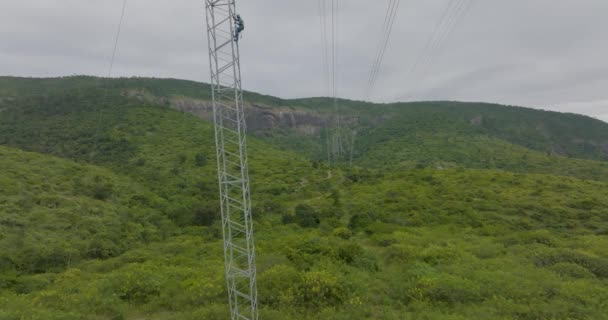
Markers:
{"x": 421, "y": 243}
{"x": 154, "y": 145}
{"x": 476, "y": 151}
{"x": 428, "y": 244}
{"x": 56, "y": 212}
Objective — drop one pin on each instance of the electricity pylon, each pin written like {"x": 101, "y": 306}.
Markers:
{"x": 231, "y": 149}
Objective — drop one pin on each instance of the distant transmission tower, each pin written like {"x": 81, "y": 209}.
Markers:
{"x": 231, "y": 148}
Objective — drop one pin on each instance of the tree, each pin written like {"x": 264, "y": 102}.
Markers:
{"x": 306, "y": 216}
{"x": 200, "y": 160}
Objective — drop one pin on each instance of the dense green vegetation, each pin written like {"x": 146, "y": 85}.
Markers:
{"x": 111, "y": 213}
{"x": 565, "y": 134}
{"x": 554, "y": 133}
{"x": 441, "y": 150}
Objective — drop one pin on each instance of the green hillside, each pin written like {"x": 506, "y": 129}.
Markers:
{"x": 375, "y": 125}
{"x": 499, "y": 137}
{"x": 565, "y": 134}
{"x": 56, "y": 213}
{"x": 108, "y": 210}
{"x": 449, "y": 244}
{"x": 441, "y": 150}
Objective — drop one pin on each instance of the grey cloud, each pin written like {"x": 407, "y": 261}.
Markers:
{"x": 539, "y": 53}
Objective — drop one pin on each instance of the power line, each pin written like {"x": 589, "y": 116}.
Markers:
{"x": 107, "y": 80}
{"x": 324, "y": 39}
{"x": 379, "y": 47}
{"x": 387, "y": 28}
{"x": 451, "y": 21}
{"x": 338, "y": 137}
{"x": 117, "y": 37}
{"x": 434, "y": 35}
{"x": 333, "y": 48}
{"x": 329, "y": 13}
{"x": 390, "y": 29}
{"x": 326, "y": 16}
{"x": 452, "y": 15}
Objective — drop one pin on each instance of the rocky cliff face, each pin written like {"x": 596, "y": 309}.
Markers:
{"x": 259, "y": 118}
{"x": 262, "y": 120}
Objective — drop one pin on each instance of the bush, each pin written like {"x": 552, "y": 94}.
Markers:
{"x": 348, "y": 252}
{"x": 488, "y": 250}
{"x": 276, "y": 285}
{"x": 306, "y": 216}
{"x": 269, "y": 206}
{"x": 99, "y": 187}
{"x": 359, "y": 221}
{"x": 572, "y": 270}
{"x": 288, "y": 218}
{"x": 205, "y": 216}
{"x": 137, "y": 283}
{"x": 435, "y": 255}
{"x": 200, "y": 160}
{"x": 445, "y": 289}
{"x": 343, "y": 233}
{"x": 29, "y": 284}
{"x": 101, "y": 247}
{"x": 307, "y": 251}
{"x": 318, "y": 289}
{"x": 400, "y": 253}
{"x": 598, "y": 266}
{"x": 543, "y": 237}
{"x": 181, "y": 158}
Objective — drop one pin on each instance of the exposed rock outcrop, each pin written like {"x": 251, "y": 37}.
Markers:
{"x": 259, "y": 117}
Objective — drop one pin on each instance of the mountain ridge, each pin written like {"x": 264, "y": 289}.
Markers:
{"x": 489, "y": 136}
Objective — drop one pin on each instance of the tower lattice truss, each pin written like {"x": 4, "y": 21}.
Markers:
{"x": 231, "y": 147}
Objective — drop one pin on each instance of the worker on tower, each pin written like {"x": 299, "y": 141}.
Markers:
{"x": 239, "y": 26}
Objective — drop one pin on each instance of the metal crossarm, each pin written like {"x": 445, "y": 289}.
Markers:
{"x": 231, "y": 149}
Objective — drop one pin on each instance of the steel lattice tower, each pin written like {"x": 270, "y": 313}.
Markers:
{"x": 231, "y": 148}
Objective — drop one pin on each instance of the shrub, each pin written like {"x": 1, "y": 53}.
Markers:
{"x": 137, "y": 283}
{"x": 434, "y": 254}
{"x": 488, "y": 250}
{"x": 445, "y": 289}
{"x": 399, "y": 253}
{"x": 99, "y": 188}
{"x": 348, "y": 252}
{"x": 200, "y": 160}
{"x": 318, "y": 289}
{"x": 359, "y": 221}
{"x": 306, "y": 251}
{"x": 181, "y": 158}
{"x": 543, "y": 237}
{"x": 342, "y": 232}
{"x": 287, "y": 219}
{"x": 306, "y": 216}
{"x": 30, "y": 284}
{"x": 598, "y": 266}
{"x": 276, "y": 285}
{"x": 205, "y": 216}
{"x": 572, "y": 270}
{"x": 101, "y": 247}
{"x": 268, "y": 207}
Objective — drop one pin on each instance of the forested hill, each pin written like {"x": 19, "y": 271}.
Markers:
{"x": 109, "y": 207}
{"x": 305, "y": 124}
{"x": 401, "y": 135}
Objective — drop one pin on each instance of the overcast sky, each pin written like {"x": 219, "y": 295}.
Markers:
{"x": 549, "y": 54}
